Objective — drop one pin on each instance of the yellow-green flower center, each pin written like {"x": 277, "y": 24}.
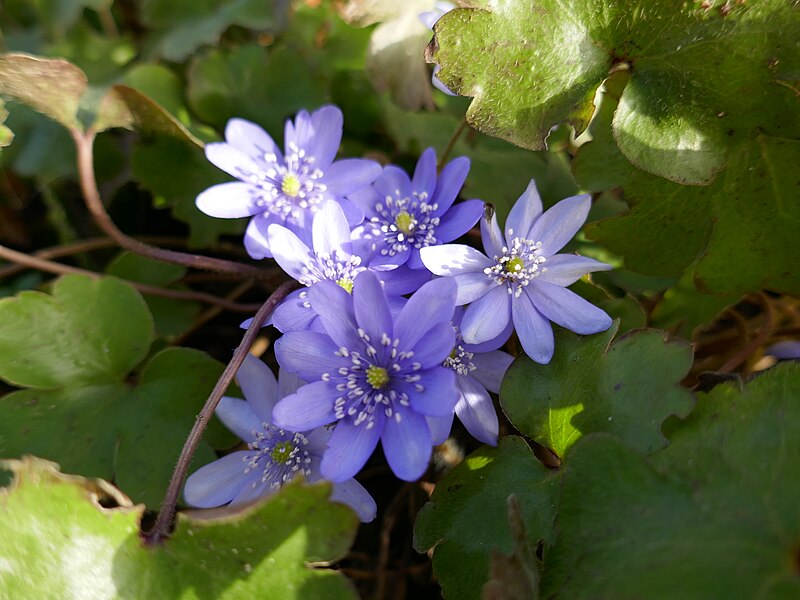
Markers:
{"x": 290, "y": 185}
{"x": 404, "y": 222}
{"x": 453, "y": 353}
{"x": 346, "y": 284}
{"x": 515, "y": 265}
{"x": 282, "y": 452}
{"x": 377, "y": 377}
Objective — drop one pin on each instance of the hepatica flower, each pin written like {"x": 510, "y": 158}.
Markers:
{"x": 376, "y": 377}
{"x": 284, "y": 187}
{"x": 521, "y": 278}
{"x": 332, "y": 257}
{"x": 405, "y": 215}
{"x": 273, "y": 457}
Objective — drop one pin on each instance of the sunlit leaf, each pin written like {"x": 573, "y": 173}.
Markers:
{"x": 56, "y": 539}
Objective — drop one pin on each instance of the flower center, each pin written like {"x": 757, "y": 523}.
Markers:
{"x": 518, "y": 265}
{"x": 282, "y": 452}
{"x": 290, "y": 185}
{"x": 405, "y": 222}
{"x": 346, "y": 284}
{"x": 460, "y": 361}
{"x": 377, "y": 377}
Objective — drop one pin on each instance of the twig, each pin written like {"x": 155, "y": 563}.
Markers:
{"x": 49, "y": 266}
{"x": 83, "y": 144}
{"x": 389, "y": 520}
{"x": 761, "y": 337}
{"x": 160, "y": 530}
{"x": 449, "y": 148}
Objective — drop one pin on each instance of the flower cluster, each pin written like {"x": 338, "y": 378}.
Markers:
{"x": 394, "y": 330}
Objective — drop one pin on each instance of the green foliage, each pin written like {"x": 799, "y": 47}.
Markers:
{"x": 712, "y": 516}
{"x": 56, "y": 539}
{"x": 76, "y": 350}
{"x": 480, "y": 486}
{"x": 628, "y": 388}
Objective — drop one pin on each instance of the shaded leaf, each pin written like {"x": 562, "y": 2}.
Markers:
{"x": 88, "y": 551}
{"x": 712, "y": 516}
{"x": 628, "y": 388}
{"x": 467, "y": 516}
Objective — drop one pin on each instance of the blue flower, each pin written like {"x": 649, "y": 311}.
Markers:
{"x": 524, "y": 281}
{"x": 285, "y": 188}
{"x": 376, "y": 377}
{"x": 404, "y": 215}
{"x": 479, "y": 370}
{"x": 335, "y": 257}
{"x": 273, "y": 457}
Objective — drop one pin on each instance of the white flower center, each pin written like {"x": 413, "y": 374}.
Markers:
{"x": 518, "y": 265}
{"x": 460, "y": 361}
{"x": 278, "y": 454}
{"x": 405, "y": 223}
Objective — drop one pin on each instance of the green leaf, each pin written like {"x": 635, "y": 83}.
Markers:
{"x": 185, "y": 25}
{"x": 170, "y": 315}
{"x": 76, "y": 349}
{"x": 702, "y": 76}
{"x": 741, "y": 228}
{"x": 6, "y": 135}
{"x": 254, "y": 83}
{"x": 466, "y": 517}
{"x": 628, "y": 388}
{"x": 712, "y": 516}
{"x": 53, "y": 87}
{"x": 176, "y": 173}
{"x": 55, "y": 539}
{"x": 64, "y": 339}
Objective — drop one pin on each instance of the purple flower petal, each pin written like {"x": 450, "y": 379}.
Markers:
{"x": 567, "y": 309}
{"x": 476, "y": 411}
{"x": 491, "y": 344}
{"x": 292, "y": 315}
{"x": 487, "y": 317}
{"x": 353, "y": 494}
{"x": 560, "y": 223}
{"x": 350, "y": 447}
{"x": 524, "y": 212}
{"x": 259, "y": 386}
{"x": 371, "y": 309}
{"x": 432, "y": 304}
{"x": 330, "y": 231}
{"x": 251, "y": 139}
{"x": 364, "y": 198}
{"x": 352, "y": 212}
{"x": 439, "y": 394}
{"x": 239, "y": 417}
{"x": 490, "y": 368}
{"x": 459, "y": 220}
{"x": 289, "y": 383}
{"x": 437, "y": 83}
{"x": 393, "y": 181}
{"x": 326, "y": 135}
{"x": 349, "y": 175}
{"x": 403, "y": 280}
{"x": 335, "y": 309}
{"x": 229, "y": 200}
{"x": 454, "y": 259}
{"x": 438, "y": 344}
{"x": 255, "y": 238}
{"x": 439, "y": 427}
{"x": 492, "y": 237}
{"x": 785, "y": 350}
{"x": 290, "y": 252}
{"x": 309, "y": 407}
{"x": 424, "y": 179}
{"x": 308, "y": 353}
{"x": 472, "y": 286}
{"x": 217, "y": 483}
{"x": 534, "y": 331}
{"x": 407, "y": 444}
{"x": 565, "y": 269}
{"x": 252, "y": 490}
{"x": 231, "y": 160}
{"x": 449, "y": 183}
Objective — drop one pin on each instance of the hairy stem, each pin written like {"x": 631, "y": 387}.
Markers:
{"x": 160, "y": 530}
{"x": 84, "y": 144}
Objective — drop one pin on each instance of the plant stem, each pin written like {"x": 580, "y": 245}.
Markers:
{"x": 449, "y": 148}
{"x": 84, "y": 143}
{"x": 160, "y": 530}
